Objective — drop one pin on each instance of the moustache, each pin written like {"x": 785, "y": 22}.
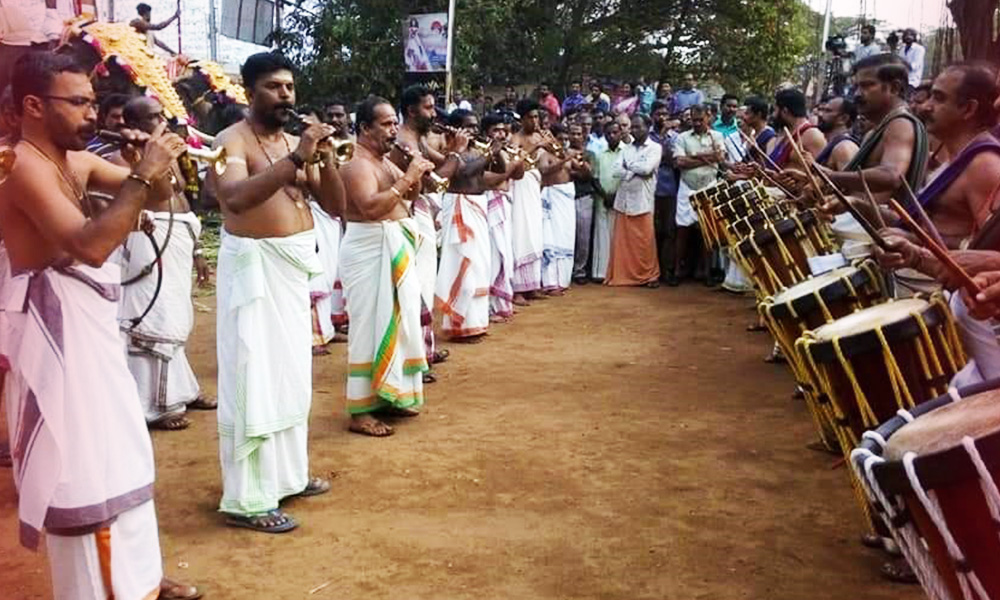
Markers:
{"x": 284, "y": 106}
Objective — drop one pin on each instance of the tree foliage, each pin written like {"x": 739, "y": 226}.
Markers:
{"x": 355, "y": 47}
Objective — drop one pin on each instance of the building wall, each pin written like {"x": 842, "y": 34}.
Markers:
{"x": 194, "y": 21}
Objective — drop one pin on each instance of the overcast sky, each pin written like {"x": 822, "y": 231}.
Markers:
{"x": 923, "y": 15}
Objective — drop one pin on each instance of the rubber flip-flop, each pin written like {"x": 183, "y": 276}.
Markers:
{"x": 315, "y": 487}
{"x": 253, "y": 523}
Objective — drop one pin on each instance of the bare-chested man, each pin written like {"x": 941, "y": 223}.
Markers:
{"x": 144, "y": 24}
{"x": 960, "y": 198}
{"x": 897, "y": 145}
{"x": 267, "y": 257}
{"x": 156, "y": 312}
{"x": 558, "y": 213}
{"x": 386, "y": 354}
{"x": 498, "y": 214}
{"x": 416, "y": 134}
{"x": 527, "y": 217}
{"x": 836, "y": 118}
{"x": 461, "y": 292}
{"x": 76, "y": 399}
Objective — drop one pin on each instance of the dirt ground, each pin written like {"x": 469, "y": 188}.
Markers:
{"x": 614, "y": 444}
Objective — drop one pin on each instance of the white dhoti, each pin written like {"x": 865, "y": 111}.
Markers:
{"x": 322, "y": 288}
{"x": 686, "y": 216}
{"x": 426, "y": 209}
{"x": 558, "y": 234}
{"x": 979, "y": 337}
{"x": 82, "y": 454}
{"x": 501, "y": 254}
{"x": 263, "y": 342}
{"x": 156, "y": 355}
{"x": 385, "y": 349}
{"x": 737, "y": 279}
{"x": 526, "y": 232}
{"x": 462, "y": 295}
{"x": 604, "y": 224}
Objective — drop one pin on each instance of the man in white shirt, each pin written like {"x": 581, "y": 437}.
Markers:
{"x": 868, "y": 47}
{"x": 633, "y": 249}
{"x": 697, "y": 154}
{"x": 913, "y": 53}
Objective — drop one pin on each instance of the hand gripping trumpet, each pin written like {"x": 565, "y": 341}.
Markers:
{"x": 513, "y": 153}
{"x": 438, "y": 184}
{"x": 214, "y": 158}
{"x": 343, "y": 150}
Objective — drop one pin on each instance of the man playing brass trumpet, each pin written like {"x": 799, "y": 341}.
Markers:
{"x": 87, "y": 476}
{"x": 156, "y": 357}
{"x": 267, "y": 256}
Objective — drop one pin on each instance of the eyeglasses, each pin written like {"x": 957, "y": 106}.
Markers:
{"x": 77, "y": 101}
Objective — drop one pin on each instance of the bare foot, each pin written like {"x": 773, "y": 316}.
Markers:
{"x": 535, "y": 296}
{"x": 497, "y": 319}
{"x": 556, "y": 292}
{"x": 368, "y": 425}
{"x": 170, "y": 423}
{"x": 520, "y": 300}
{"x": 472, "y": 339}
{"x": 320, "y": 350}
{"x": 339, "y": 338}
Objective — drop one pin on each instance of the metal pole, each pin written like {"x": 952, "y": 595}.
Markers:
{"x": 179, "y": 19}
{"x": 451, "y": 49}
{"x": 213, "y": 32}
{"x": 821, "y": 79}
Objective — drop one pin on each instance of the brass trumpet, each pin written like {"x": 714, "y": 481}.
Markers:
{"x": 214, "y": 158}
{"x": 7, "y": 159}
{"x": 343, "y": 150}
{"x": 438, "y": 184}
{"x": 513, "y": 153}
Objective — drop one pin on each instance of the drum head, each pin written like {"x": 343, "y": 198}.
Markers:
{"x": 812, "y": 284}
{"x": 882, "y": 315}
{"x": 976, "y": 416}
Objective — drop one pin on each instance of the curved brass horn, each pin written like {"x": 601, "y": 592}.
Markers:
{"x": 7, "y": 159}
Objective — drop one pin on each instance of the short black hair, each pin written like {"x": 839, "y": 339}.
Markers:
{"x": 697, "y": 108}
{"x": 111, "y": 102}
{"x": 457, "y": 117}
{"x": 558, "y": 129}
{"x": 34, "y": 72}
{"x": 646, "y": 121}
{"x": 657, "y": 105}
{"x": 526, "y": 105}
{"x": 727, "y": 97}
{"x": 869, "y": 28}
{"x": 849, "y": 108}
{"x": 262, "y": 64}
{"x": 757, "y": 106}
{"x": 793, "y": 100}
{"x": 891, "y": 68}
{"x": 491, "y": 120}
{"x": 142, "y": 7}
{"x": 366, "y": 109}
{"x": 979, "y": 83}
{"x": 336, "y": 101}
{"x": 413, "y": 96}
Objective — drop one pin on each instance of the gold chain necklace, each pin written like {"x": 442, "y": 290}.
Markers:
{"x": 80, "y": 193}
{"x": 299, "y": 203}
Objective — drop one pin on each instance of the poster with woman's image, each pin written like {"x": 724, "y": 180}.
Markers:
{"x": 425, "y": 42}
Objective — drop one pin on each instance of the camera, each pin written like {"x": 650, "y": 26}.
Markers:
{"x": 836, "y": 44}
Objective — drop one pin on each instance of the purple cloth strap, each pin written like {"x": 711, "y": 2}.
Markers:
{"x": 953, "y": 170}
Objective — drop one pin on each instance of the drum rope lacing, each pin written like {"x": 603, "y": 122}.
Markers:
{"x": 966, "y": 576}
{"x": 905, "y": 535}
